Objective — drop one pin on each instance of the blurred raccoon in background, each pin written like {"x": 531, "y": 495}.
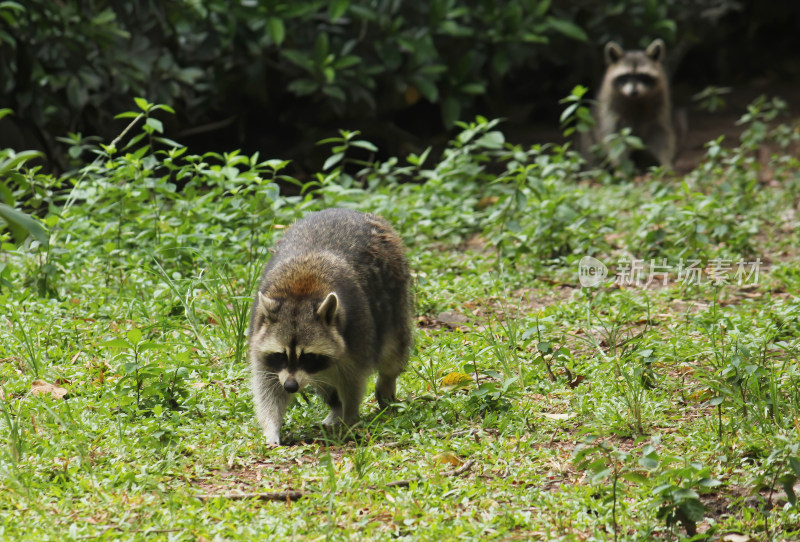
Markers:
{"x": 634, "y": 94}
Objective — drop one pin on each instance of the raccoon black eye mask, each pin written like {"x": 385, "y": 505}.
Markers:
{"x": 643, "y": 79}
{"x": 333, "y": 306}
{"x": 310, "y": 363}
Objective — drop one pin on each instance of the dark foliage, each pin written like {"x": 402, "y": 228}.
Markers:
{"x": 278, "y": 75}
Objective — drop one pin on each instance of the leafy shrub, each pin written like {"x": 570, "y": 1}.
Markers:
{"x": 67, "y": 66}
{"x": 13, "y": 184}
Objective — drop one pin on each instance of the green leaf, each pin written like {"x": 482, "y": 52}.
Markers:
{"x": 276, "y": 30}
{"x": 104, "y": 17}
{"x": 116, "y": 343}
{"x": 169, "y": 142}
{"x": 16, "y": 160}
{"x": 346, "y": 61}
{"x": 648, "y": 462}
{"x": 501, "y": 62}
{"x": 303, "y": 87}
{"x": 541, "y": 8}
{"x": 299, "y": 58}
{"x": 22, "y": 225}
{"x": 334, "y": 92}
{"x": 427, "y": 88}
{"x": 332, "y": 161}
{"x": 168, "y": 109}
{"x": 6, "y": 195}
{"x": 142, "y": 104}
{"x": 337, "y": 8}
{"x": 492, "y": 140}
{"x": 662, "y": 489}
{"x": 473, "y": 88}
{"x": 709, "y": 483}
{"x": 600, "y": 475}
{"x": 568, "y": 111}
{"x": 150, "y": 345}
{"x": 693, "y": 509}
{"x": 134, "y": 335}
{"x": 451, "y": 110}
{"x": 360, "y": 143}
{"x": 156, "y": 125}
{"x": 568, "y": 28}
{"x": 685, "y": 493}
{"x": 182, "y": 357}
{"x": 634, "y": 477}
{"x": 787, "y": 481}
{"x": 321, "y": 48}
{"x": 794, "y": 462}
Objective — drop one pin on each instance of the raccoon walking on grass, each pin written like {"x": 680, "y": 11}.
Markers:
{"x": 635, "y": 94}
{"x": 333, "y": 306}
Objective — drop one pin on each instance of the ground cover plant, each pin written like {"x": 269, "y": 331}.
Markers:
{"x": 653, "y": 398}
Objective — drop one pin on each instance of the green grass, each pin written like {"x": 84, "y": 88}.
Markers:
{"x": 629, "y": 412}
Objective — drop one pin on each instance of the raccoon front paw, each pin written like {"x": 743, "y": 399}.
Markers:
{"x": 336, "y": 420}
{"x": 385, "y": 389}
{"x": 385, "y": 401}
{"x": 332, "y": 419}
{"x": 272, "y": 437}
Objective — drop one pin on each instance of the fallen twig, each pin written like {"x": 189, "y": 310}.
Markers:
{"x": 265, "y": 496}
{"x": 454, "y": 434}
{"x": 455, "y": 472}
{"x": 282, "y": 496}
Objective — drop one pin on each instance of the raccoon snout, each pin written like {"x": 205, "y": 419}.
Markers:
{"x": 291, "y": 385}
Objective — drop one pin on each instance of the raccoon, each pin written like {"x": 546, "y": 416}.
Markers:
{"x": 635, "y": 94}
{"x": 333, "y": 306}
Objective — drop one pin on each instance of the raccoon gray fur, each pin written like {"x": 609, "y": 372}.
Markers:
{"x": 333, "y": 306}
{"x": 635, "y": 94}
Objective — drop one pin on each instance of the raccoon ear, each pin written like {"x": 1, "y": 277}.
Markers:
{"x": 329, "y": 308}
{"x": 268, "y": 306}
{"x": 656, "y": 50}
{"x": 613, "y": 52}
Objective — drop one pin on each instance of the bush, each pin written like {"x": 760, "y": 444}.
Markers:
{"x": 65, "y": 66}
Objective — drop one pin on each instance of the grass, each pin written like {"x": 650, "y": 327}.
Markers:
{"x": 548, "y": 411}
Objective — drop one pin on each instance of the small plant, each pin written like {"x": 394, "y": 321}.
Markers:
{"x": 20, "y": 224}
{"x": 577, "y": 116}
{"x": 782, "y": 466}
{"x": 607, "y": 464}
{"x": 630, "y": 385}
{"x": 711, "y": 98}
{"x": 677, "y": 497}
{"x": 16, "y": 435}
{"x": 760, "y": 113}
{"x": 494, "y": 391}
{"x": 620, "y": 150}
{"x": 27, "y": 340}
{"x": 154, "y": 385}
{"x": 549, "y": 356}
